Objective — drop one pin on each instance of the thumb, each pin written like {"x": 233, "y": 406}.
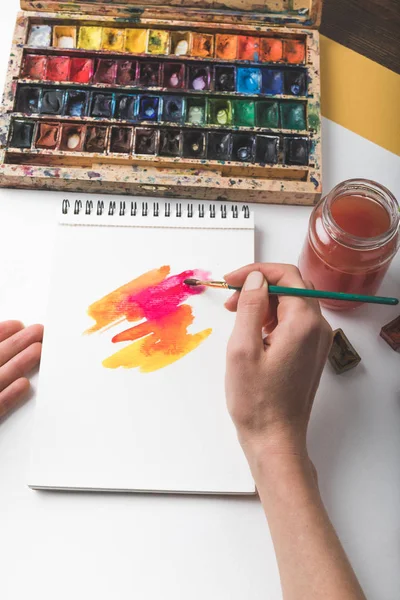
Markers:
{"x": 252, "y": 310}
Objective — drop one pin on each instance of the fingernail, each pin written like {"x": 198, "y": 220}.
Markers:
{"x": 254, "y": 281}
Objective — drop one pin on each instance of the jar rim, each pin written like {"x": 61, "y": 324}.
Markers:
{"x": 373, "y": 190}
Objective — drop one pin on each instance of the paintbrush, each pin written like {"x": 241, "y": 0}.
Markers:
{"x": 304, "y": 293}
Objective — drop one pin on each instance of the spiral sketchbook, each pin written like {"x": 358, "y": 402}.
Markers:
{"x": 131, "y": 385}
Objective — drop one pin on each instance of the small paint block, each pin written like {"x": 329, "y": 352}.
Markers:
{"x": 391, "y": 334}
{"x": 244, "y": 113}
{"x": 267, "y": 149}
{"x": 149, "y": 73}
{"x": 113, "y": 39}
{"x": 158, "y": 41}
{"x": 95, "y": 139}
{"x": 173, "y": 75}
{"x": 342, "y": 355}
{"x": 173, "y": 107}
{"x": 220, "y": 112}
{"x": 125, "y": 107}
{"x": 21, "y": 134}
{"x": 293, "y": 115}
{"x": 196, "y": 111}
{"x": 76, "y": 103}
{"x": 248, "y": 47}
{"x": 296, "y": 150}
{"x": 272, "y": 82}
{"x": 52, "y": 102}
{"x": 194, "y": 144}
{"x": 148, "y": 108}
{"x": 170, "y": 142}
{"x": 126, "y": 72}
{"x": 294, "y": 51}
{"x": 64, "y": 36}
{"x": 226, "y": 46}
{"x": 58, "y": 68}
{"x": 271, "y": 49}
{"x": 72, "y": 137}
{"x": 202, "y": 45}
{"x": 39, "y": 36}
{"x": 180, "y": 43}
{"x": 136, "y": 41}
{"x": 105, "y": 71}
{"x": 34, "y": 67}
{"x": 199, "y": 78}
{"x": 267, "y": 114}
{"x": 243, "y": 147}
{"x": 225, "y": 78}
{"x": 121, "y": 140}
{"x": 28, "y": 99}
{"x": 89, "y": 38}
{"x": 219, "y": 145}
{"x": 146, "y": 141}
{"x": 81, "y": 70}
{"x": 102, "y": 105}
{"x": 248, "y": 80}
{"x": 295, "y": 82}
{"x": 47, "y": 136}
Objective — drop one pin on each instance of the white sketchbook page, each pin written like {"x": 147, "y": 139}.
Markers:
{"x": 119, "y": 429}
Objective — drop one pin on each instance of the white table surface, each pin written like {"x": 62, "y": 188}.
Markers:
{"x": 142, "y": 547}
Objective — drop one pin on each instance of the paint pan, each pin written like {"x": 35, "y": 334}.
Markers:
{"x": 244, "y": 113}
{"x": 219, "y": 145}
{"x": 199, "y": 77}
{"x": 105, "y": 71}
{"x": 81, "y": 70}
{"x": 293, "y": 115}
{"x": 267, "y": 149}
{"x": 22, "y": 134}
{"x": 220, "y": 112}
{"x": 136, "y": 41}
{"x": 248, "y": 80}
{"x": 158, "y": 41}
{"x": 126, "y": 72}
{"x": 248, "y": 48}
{"x": 173, "y": 107}
{"x": 148, "y": 108}
{"x": 226, "y": 46}
{"x": 194, "y": 144}
{"x": 149, "y": 74}
{"x": 146, "y": 141}
{"x": 95, "y": 139}
{"x": 90, "y": 38}
{"x": 76, "y": 103}
{"x": 126, "y": 107}
{"x": 39, "y": 36}
{"x": 243, "y": 145}
{"x": 47, "y": 136}
{"x": 52, "y": 102}
{"x": 202, "y": 45}
{"x": 72, "y": 137}
{"x": 58, "y": 68}
{"x": 225, "y": 78}
{"x": 180, "y": 43}
{"x": 267, "y": 114}
{"x": 28, "y": 99}
{"x": 271, "y": 49}
{"x": 195, "y": 111}
{"x": 113, "y": 40}
{"x": 34, "y": 67}
{"x": 121, "y": 140}
{"x": 294, "y": 51}
{"x": 102, "y": 105}
{"x": 272, "y": 82}
{"x": 295, "y": 82}
{"x": 64, "y": 36}
{"x": 173, "y": 75}
{"x": 170, "y": 142}
{"x": 296, "y": 151}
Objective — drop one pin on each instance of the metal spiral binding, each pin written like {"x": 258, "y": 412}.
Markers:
{"x": 119, "y": 209}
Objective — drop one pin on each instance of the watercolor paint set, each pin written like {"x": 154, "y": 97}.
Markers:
{"x": 193, "y": 101}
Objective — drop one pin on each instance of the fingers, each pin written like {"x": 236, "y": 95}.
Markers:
{"x": 12, "y": 395}
{"x": 17, "y": 342}
{"x": 252, "y": 309}
{"x": 20, "y": 365}
{"x": 8, "y": 328}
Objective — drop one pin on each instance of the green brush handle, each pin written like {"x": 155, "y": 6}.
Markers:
{"x": 305, "y": 293}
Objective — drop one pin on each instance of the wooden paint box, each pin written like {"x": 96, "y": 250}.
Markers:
{"x": 211, "y": 101}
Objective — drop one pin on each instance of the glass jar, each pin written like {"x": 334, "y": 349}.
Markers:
{"x": 352, "y": 237}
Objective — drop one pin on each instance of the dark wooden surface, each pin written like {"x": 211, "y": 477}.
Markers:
{"x": 370, "y": 27}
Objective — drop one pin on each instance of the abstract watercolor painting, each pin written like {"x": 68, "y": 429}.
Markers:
{"x": 156, "y": 302}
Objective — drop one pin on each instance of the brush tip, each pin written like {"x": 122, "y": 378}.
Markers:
{"x": 190, "y": 281}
